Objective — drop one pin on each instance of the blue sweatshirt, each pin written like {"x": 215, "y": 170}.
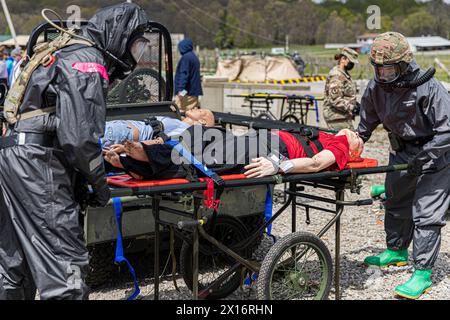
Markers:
{"x": 187, "y": 76}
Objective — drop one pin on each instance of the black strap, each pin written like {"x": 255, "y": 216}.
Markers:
{"x": 158, "y": 128}
{"x": 306, "y": 136}
{"x": 314, "y": 138}
{"x": 306, "y": 146}
{"x": 41, "y": 139}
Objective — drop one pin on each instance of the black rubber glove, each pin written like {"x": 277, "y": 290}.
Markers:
{"x": 157, "y": 126}
{"x": 100, "y": 197}
{"x": 415, "y": 167}
{"x": 356, "y": 110}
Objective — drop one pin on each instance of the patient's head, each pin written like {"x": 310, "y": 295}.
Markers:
{"x": 200, "y": 116}
{"x": 355, "y": 143}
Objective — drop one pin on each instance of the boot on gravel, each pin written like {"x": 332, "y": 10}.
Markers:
{"x": 419, "y": 284}
{"x": 388, "y": 258}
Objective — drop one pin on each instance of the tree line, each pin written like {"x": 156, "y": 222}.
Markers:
{"x": 256, "y": 23}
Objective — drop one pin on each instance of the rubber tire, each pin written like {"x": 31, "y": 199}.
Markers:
{"x": 264, "y": 116}
{"x": 123, "y": 91}
{"x": 271, "y": 260}
{"x": 253, "y": 223}
{"x": 290, "y": 117}
{"x": 186, "y": 259}
{"x": 101, "y": 265}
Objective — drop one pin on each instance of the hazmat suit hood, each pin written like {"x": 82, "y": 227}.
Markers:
{"x": 412, "y": 72}
{"x": 186, "y": 46}
{"x": 112, "y": 28}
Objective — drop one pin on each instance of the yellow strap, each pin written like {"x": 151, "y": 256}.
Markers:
{"x": 36, "y": 113}
{"x": 17, "y": 92}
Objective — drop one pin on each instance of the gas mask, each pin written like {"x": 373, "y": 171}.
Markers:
{"x": 138, "y": 51}
{"x": 394, "y": 76}
{"x": 389, "y": 74}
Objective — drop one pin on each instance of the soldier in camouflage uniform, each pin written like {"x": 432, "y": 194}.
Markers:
{"x": 414, "y": 108}
{"x": 340, "y": 92}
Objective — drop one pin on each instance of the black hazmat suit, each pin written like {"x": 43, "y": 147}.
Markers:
{"x": 220, "y": 150}
{"x": 416, "y": 204}
{"x": 41, "y": 237}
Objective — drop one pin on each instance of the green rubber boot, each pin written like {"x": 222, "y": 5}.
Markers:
{"x": 377, "y": 191}
{"x": 388, "y": 258}
{"x": 419, "y": 284}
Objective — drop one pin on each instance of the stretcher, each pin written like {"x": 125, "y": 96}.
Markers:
{"x": 294, "y": 108}
{"x": 198, "y": 231}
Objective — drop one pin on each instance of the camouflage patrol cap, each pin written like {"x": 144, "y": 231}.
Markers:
{"x": 351, "y": 54}
{"x": 390, "y": 48}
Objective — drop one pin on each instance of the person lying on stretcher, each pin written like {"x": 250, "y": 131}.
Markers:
{"x": 257, "y": 154}
{"x": 117, "y": 132}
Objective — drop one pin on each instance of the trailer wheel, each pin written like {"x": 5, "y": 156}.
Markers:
{"x": 290, "y": 118}
{"x": 297, "y": 267}
{"x": 253, "y": 223}
{"x": 214, "y": 262}
{"x": 264, "y": 116}
{"x": 142, "y": 85}
{"x": 101, "y": 265}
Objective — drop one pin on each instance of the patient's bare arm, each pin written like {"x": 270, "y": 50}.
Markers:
{"x": 319, "y": 162}
{"x": 262, "y": 167}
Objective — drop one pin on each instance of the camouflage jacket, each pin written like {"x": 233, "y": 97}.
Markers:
{"x": 340, "y": 95}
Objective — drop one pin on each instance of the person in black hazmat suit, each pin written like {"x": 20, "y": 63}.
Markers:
{"x": 415, "y": 109}
{"x": 41, "y": 238}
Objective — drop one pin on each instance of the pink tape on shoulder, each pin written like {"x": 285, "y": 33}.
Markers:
{"x": 89, "y": 67}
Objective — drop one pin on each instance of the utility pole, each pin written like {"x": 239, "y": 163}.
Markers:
{"x": 287, "y": 44}
{"x": 10, "y": 24}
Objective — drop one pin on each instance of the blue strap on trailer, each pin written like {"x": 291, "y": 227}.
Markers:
{"x": 268, "y": 209}
{"x": 253, "y": 277}
{"x": 120, "y": 258}
{"x": 183, "y": 152}
{"x": 316, "y": 106}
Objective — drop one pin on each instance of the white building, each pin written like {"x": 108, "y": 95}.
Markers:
{"x": 428, "y": 43}
{"x": 366, "y": 39}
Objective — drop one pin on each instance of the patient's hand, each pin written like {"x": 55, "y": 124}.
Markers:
{"x": 154, "y": 141}
{"x": 136, "y": 151}
{"x": 118, "y": 148}
{"x": 260, "y": 167}
{"x": 136, "y": 176}
{"x": 114, "y": 159}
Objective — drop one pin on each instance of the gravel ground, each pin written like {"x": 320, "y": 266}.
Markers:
{"x": 362, "y": 234}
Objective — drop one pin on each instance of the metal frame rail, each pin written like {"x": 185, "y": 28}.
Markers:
{"x": 335, "y": 181}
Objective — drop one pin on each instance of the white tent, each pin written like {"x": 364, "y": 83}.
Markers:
{"x": 254, "y": 68}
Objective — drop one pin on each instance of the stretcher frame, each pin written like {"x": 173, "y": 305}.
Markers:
{"x": 334, "y": 181}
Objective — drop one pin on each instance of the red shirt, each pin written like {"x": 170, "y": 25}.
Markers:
{"x": 338, "y": 145}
